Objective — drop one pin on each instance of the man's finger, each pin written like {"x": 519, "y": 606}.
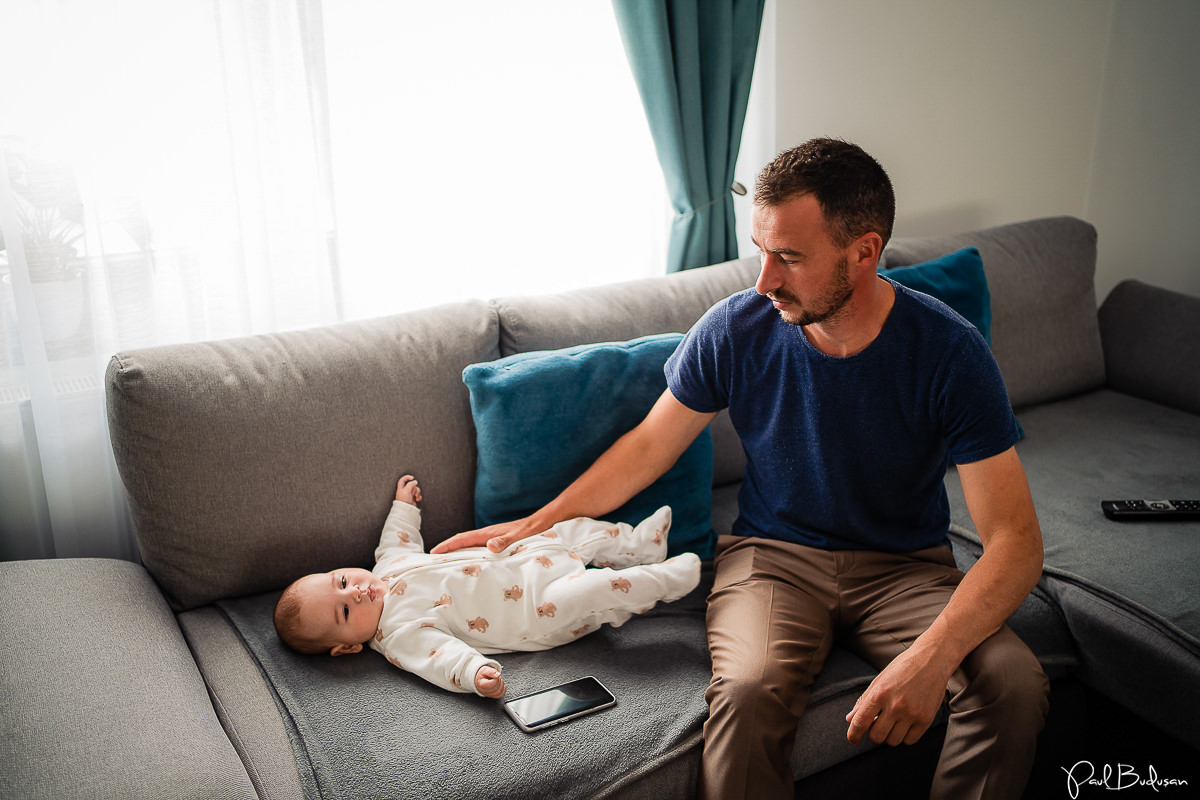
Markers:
{"x": 860, "y": 720}
{"x": 458, "y": 541}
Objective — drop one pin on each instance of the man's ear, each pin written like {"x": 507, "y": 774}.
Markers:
{"x": 344, "y": 649}
{"x": 867, "y": 250}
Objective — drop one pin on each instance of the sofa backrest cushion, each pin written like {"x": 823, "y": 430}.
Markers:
{"x": 616, "y": 312}
{"x": 620, "y": 311}
{"x": 1040, "y": 275}
{"x": 1152, "y": 344}
{"x": 250, "y": 462}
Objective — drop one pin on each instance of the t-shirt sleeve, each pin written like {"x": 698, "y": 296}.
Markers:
{"x": 698, "y": 371}
{"x": 978, "y": 414}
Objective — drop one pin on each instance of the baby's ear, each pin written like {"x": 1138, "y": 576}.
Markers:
{"x": 343, "y": 649}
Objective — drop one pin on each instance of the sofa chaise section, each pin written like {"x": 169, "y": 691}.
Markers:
{"x": 100, "y": 694}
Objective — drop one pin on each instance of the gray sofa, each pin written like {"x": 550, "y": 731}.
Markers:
{"x": 249, "y": 462}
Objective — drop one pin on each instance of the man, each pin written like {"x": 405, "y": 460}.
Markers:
{"x": 850, "y": 394}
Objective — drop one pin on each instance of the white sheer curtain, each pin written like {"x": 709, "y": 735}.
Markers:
{"x": 168, "y": 173}
{"x": 164, "y": 179}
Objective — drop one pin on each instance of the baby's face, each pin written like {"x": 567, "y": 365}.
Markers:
{"x": 342, "y": 606}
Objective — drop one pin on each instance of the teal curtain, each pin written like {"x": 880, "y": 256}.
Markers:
{"x": 693, "y": 60}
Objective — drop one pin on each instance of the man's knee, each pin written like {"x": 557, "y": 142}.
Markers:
{"x": 728, "y": 693}
{"x": 748, "y": 737}
{"x": 759, "y": 694}
{"x": 1004, "y": 674}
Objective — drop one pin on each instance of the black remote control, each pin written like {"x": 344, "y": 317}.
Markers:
{"x": 1145, "y": 510}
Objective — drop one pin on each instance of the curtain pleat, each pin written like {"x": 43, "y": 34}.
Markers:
{"x": 693, "y": 61}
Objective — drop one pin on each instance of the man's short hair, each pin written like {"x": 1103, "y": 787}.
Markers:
{"x": 853, "y": 190}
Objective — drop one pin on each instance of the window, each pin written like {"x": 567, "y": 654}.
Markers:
{"x": 232, "y": 167}
{"x": 486, "y": 149}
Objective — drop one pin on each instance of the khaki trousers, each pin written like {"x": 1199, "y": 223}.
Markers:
{"x": 774, "y": 613}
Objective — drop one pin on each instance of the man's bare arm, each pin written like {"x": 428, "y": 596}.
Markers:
{"x": 902, "y": 701}
{"x": 633, "y": 462}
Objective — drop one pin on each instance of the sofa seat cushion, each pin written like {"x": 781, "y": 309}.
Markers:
{"x": 656, "y": 664}
{"x": 244, "y": 702}
{"x": 542, "y": 418}
{"x": 100, "y": 694}
{"x": 1127, "y": 590}
{"x": 361, "y": 724}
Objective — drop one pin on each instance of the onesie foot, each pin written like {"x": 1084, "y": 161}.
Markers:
{"x": 652, "y": 533}
{"x": 682, "y": 574}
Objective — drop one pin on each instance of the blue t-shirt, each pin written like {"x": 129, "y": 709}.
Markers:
{"x": 847, "y": 453}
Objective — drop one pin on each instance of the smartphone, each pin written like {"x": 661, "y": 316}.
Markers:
{"x": 547, "y": 707}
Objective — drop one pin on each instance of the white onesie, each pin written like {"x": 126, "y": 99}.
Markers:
{"x": 443, "y": 612}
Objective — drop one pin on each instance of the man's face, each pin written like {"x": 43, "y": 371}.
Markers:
{"x": 341, "y": 607}
{"x": 803, "y": 272}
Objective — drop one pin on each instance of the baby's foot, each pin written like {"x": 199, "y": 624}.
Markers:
{"x": 683, "y": 573}
{"x": 408, "y": 491}
{"x": 652, "y": 534}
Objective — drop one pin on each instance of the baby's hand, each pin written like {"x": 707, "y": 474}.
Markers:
{"x": 488, "y": 682}
{"x": 408, "y": 491}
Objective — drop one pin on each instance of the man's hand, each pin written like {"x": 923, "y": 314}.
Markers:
{"x": 633, "y": 462}
{"x": 495, "y": 537}
{"x": 489, "y": 683}
{"x": 900, "y": 704}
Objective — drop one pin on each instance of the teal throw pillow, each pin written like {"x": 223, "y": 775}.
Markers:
{"x": 542, "y": 418}
{"x": 957, "y": 280}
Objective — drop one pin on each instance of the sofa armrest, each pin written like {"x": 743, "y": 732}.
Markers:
{"x": 1151, "y": 339}
{"x": 99, "y": 695}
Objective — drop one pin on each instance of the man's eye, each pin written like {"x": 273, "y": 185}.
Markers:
{"x": 343, "y": 581}
{"x": 346, "y": 611}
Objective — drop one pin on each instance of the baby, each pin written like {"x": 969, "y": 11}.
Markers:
{"x": 437, "y": 615}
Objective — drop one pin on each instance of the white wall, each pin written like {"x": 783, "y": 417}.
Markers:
{"x": 1144, "y": 195}
{"x": 992, "y": 111}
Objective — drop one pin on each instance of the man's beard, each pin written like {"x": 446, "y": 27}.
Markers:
{"x": 828, "y": 307}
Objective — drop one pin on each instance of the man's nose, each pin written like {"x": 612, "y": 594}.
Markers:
{"x": 767, "y": 281}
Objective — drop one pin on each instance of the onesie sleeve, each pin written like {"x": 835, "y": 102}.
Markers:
{"x": 401, "y": 534}
{"x": 430, "y": 653}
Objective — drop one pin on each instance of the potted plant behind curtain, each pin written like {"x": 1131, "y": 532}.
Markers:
{"x": 55, "y": 268}
{"x": 42, "y": 192}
